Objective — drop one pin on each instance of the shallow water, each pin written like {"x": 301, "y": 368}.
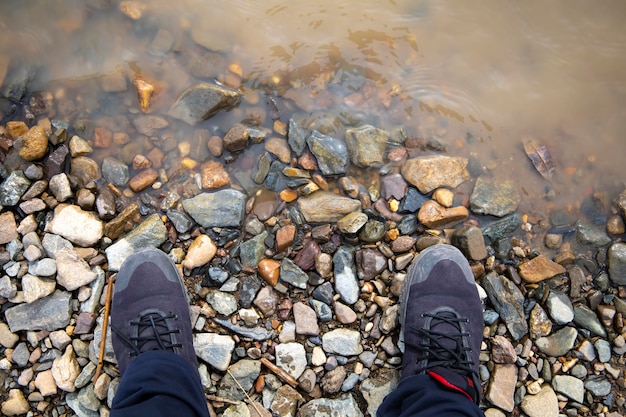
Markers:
{"x": 478, "y": 77}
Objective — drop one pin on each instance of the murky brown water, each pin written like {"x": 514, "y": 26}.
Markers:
{"x": 478, "y": 76}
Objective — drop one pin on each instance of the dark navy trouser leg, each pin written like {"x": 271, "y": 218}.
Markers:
{"x": 160, "y": 383}
{"x": 422, "y": 396}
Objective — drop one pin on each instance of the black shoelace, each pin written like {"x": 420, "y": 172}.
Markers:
{"x": 152, "y": 327}
{"x": 437, "y": 354}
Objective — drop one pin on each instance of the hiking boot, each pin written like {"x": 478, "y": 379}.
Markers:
{"x": 442, "y": 320}
{"x": 150, "y": 310}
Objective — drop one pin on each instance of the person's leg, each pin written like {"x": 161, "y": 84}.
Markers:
{"x": 442, "y": 327}
{"x": 153, "y": 342}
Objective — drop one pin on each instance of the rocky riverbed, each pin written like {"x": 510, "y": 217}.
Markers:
{"x": 293, "y": 237}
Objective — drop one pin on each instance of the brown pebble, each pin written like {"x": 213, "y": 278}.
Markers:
{"x": 236, "y": 138}
{"x": 285, "y": 237}
{"x": 214, "y": 175}
{"x": 102, "y": 138}
{"x": 216, "y": 146}
{"x": 143, "y": 180}
{"x": 269, "y": 270}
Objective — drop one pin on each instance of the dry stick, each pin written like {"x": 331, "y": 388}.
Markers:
{"x": 281, "y": 374}
{"x": 217, "y": 399}
{"x": 105, "y": 325}
{"x": 245, "y": 393}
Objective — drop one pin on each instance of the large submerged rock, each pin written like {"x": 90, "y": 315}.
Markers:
{"x": 201, "y": 101}
{"x": 428, "y": 173}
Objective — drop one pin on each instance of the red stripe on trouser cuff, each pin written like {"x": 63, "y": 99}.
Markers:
{"x": 447, "y": 384}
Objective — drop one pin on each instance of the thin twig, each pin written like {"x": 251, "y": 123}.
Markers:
{"x": 105, "y": 325}
{"x": 281, "y": 374}
{"x": 244, "y": 392}
{"x": 217, "y": 399}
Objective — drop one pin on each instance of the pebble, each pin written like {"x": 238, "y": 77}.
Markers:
{"x": 76, "y": 225}
{"x": 497, "y": 198}
{"x": 214, "y": 349}
{"x": 502, "y": 387}
{"x": 200, "y": 252}
{"x": 15, "y": 404}
{"x": 539, "y": 268}
{"x": 428, "y": 173}
{"x": 326, "y": 207}
{"x": 342, "y": 341}
{"x": 306, "y": 320}
{"x": 433, "y": 215}
{"x": 560, "y": 307}
{"x": 346, "y": 283}
{"x": 543, "y": 404}
{"x": 291, "y": 357}
{"x": 569, "y": 386}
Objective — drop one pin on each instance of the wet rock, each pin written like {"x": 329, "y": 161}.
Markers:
{"x": 570, "y": 387}
{"x": 214, "y": 176}
{"x": 367, "y": 145}
{"x": 494, "y": 197}
{"x": 245, "y": 372}
{"x": 35, "y": 144}
{"x": 604, "y": 350}
{"x": 80, "y": 227}
{"x": 587, "y": 319}
{"x": 342, "y": 342}
{"x": 269, "y": 270}
{"x": 325, "y": 407}
{"x": 214, "y": 349}
{"x": 49, "y": 313}
{"x": 201, "y": 101}
{"x": 306, "y": 320}
{"x": 393, "y": 186}
{"x": 105, "y": 203}
{"x": 351, "y": 223}
{"x": 375, "y": 389}
{"x": 79, "y": 147}
{"x": 236, "y": 138}
{"x": 149, "y": 125}
{"x": 151, "y": 233}
{"x": 433, "y": 215}
{"x": 539, "y": 268}
{"x": 444, "y": 197}
{"x": 224, "y": 208}
{"x": 161, "y": 44}
{"x": 502, "y": 387}
{"x": 115, "y": 171}
{"x": 116, "y": 227}
{"x": 502, "y": 228}
{"x": 559, "y": 343}
{"x": 428, "y": 173}
{"x": 143, "y": 179}
{"x": 346, "y": 283}
{"x": 373, "y": 231}
{"x": 15, "y": 404}
{"x": 8, "y": 227}
{"x": 470, "y": 240}
{"x": 326, "y": 207}
{"x": 200, "y": 252}
{"x": 591, "y": 235}
{"x": 286, "y": 401}
{"x": 292, "y": 274}
{"x": 291, "y": 358}
{"x": 508, "y": 301}
{"x": 12, "y": 188}
{"x": 542, "y": 404}
{"x": 560, "y": 307}
{"x": 85, "y": 169}
{"x": 617, "y": 263}
{"x": 331, "y": 153}
{"x": 280, "y": 148}
{"x": 285, "y": 237}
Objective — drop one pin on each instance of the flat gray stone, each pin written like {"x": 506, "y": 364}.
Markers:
{"x": 497, "y": 198}
{"x": 376, "y": 388}
{"x": 617, "y": 263}
{"x": 223, "y": 208}
{"x": 367, "y": 145}
{"x": 245, "y": 371}
{"x": 560, "y": 307}
{"x": 559, "y": 343}
{"x": 543, "y": 404}
{"x": 341, "y": 341}
{"x": 291, "y": 358}
{"x": 49, "y": 313}
{"x": 508, "y": 301}
{"x": 326, "y": 207}
{"x": 344, "y": 406}
{"x": 214, "y": 349}
{"x": 331, "y": 153}
{"x": 570, "y": 387}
